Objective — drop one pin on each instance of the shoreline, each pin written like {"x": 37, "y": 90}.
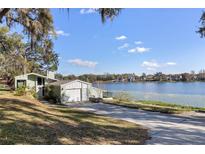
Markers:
{"x": 102, "y": 82}
{"x": 155, "y": 106}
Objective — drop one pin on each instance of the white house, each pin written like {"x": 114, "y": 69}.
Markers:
{"x": 75, "y": 91}
{"x": 34, "y": 81}
{"x": 64, "y": 91}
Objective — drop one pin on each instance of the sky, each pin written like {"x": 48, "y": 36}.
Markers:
{"x": 137, "y": 41}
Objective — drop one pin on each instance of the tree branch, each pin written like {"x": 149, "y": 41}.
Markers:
{"x": 3, "y": 13}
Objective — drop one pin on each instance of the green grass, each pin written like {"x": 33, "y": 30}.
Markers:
{"x": 26, "y": 121}
{"x": 156, "y": 106}
{"x": 186, "y": 108}
{"x": 3, "y": 89}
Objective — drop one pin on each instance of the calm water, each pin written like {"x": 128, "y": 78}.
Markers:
{"x": 183, "y": 93}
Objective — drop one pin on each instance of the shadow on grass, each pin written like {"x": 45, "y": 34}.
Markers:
{"x": 23, "y": 122}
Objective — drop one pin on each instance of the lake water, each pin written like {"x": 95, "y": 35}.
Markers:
{"x": 183, "y": 93}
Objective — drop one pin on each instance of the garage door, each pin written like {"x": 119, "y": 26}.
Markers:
{"x": 73, "y": 95}
{"x": 84, "y": 94}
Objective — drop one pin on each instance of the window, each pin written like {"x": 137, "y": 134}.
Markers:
{"x": 21, "y": 83}
{"x": 39, "y": 81}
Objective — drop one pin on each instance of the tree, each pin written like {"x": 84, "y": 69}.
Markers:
{"x": 108, "y": 13}
{"x": 201, "y": 30}
{"x": 192, "y": 72}
{"x": 59, "y": 76}
{"x": 43, "y": 58}
{"x": 16, "y": 56}
{"x": 11, "y": 54}
{"x": 37, "y": 24}
{"x": 202, "y": 74}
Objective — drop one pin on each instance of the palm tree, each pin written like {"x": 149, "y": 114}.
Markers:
{"x": 108, "y": 13}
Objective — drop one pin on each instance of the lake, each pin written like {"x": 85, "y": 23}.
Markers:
{"x": 182, "y": 93}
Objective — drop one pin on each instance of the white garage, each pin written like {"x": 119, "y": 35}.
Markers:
{"x": 73, "y": 95}
{"x": 74, "y": 91}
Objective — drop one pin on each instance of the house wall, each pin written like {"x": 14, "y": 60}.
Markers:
{"x": 77, "y": 89}
{"x": 73, "y": 91}
{"x": 75, "y": 85}
{"x": 31, "y": 82}
{"x": 21, "y": 77}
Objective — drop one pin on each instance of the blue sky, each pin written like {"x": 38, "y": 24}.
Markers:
{"x": 137, "y": 41}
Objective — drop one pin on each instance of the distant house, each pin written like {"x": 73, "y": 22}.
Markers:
{"x": 34, "y": 81}
{"x": 131, "y": 78}
{"x": 150, "y": 77}
{"x": 74, "y": 91}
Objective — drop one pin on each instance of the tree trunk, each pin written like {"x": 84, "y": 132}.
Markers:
{"x": 25, "y": 64}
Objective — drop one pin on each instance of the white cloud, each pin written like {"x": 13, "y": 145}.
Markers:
{"x": 150, "y": 64}
{"x": 153, "y": 65}
{"x": 87, "y": 11}
{"x": 62, "y": 33}
{"x": 171, "y": 63}
{"x": 122, "y": 37}
{"x": 138, "y": 42}
{"x": 82, "y": 63}
{"x": 151, "y": 69}
{"x": 125, "y": 45}
{"x": 139, "y": 50}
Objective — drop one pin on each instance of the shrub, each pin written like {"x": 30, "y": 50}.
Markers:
{"x": 107, "y": 94}
{"x": 20, "y": 91}
{"x": 123, "y": 96}
{"x": 33, "y": 93}
{"x": 52, "y": 93}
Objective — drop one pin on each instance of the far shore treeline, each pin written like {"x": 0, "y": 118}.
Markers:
{"x": 132, "y": 77}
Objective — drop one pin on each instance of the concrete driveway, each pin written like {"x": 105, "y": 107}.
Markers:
{"x": 164, "y": 128}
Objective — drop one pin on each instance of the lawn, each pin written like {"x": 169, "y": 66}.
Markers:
{"x": 155, "y": 106}
{"x": 27, "y": 121}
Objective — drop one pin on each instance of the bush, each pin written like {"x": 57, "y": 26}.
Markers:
{"x": 52, "y": 93}
{"x": 123, "y": 96}
{"x": 4, "y": 87}
{"x": 33, "y": 93}
{"x": 20, "y": 91}
{"x": 107, "y": 94}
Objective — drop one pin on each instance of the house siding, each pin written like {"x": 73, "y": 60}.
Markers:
{"x": 78, "y": 88}
{"x": 31, "y": 82}
{"x": 80, "y": 91}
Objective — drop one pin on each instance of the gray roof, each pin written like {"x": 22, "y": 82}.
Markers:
{"x": 36, "y": 74}
{"x": 61, "y": 82}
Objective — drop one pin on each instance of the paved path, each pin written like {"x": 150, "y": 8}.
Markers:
{"x": 164, "y": 128}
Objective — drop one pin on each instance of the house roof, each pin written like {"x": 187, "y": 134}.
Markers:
{"x": 36, "y": 74}
{"x": 62, "y": 82}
